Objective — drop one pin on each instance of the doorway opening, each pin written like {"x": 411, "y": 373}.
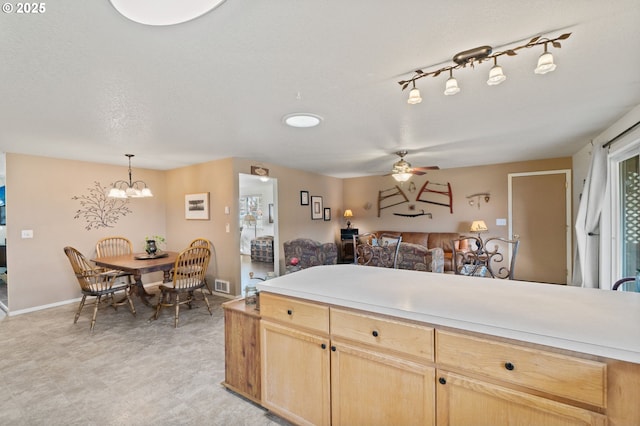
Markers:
{"x": 258, "y": 223}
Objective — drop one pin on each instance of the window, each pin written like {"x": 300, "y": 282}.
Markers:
{"x": 629, "y": 215}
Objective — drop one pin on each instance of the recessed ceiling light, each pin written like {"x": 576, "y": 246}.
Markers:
{"x": 164, "y": 12}
{"x": 302, "y": 120}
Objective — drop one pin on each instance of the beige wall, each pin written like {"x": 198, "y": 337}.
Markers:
{"x": 216, "y": 178}
{"x": 40, "y": 191}
{"x": 294, "y": 220}
{"x": 358, "y": 192}
{"x": 39, "y": 198}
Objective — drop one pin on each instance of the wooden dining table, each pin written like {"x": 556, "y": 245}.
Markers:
{"x": 138, "y": 264}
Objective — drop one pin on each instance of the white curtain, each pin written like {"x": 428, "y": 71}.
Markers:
{"x": 587, "y": 259}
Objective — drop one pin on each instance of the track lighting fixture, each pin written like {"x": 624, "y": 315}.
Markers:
{"x": 480, "y": 54}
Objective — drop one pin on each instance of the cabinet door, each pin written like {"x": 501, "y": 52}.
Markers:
{"x": 464, "y": 401}
{"x": 295, "y": 374}
{"x": 371, "y": 388}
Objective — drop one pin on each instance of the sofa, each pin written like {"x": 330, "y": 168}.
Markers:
{"x": 308, "y": 253}
{"x": 430, "y": 240}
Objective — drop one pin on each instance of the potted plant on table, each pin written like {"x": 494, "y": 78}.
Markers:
{"x": 152, "y": 243}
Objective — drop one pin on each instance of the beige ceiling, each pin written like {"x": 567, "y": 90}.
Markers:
{"x": 80, "y": 81}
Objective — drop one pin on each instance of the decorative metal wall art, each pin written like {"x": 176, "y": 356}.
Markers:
{"x": 98, "y": 210}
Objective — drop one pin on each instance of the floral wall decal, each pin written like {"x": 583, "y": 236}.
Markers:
{"x": 99, "y": 211}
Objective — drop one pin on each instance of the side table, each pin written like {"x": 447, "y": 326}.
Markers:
{"x": 346, "y": 254}
{"x": 242, "y": 349}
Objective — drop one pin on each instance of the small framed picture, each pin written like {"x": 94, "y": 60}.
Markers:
{"x": 327, "y": 213}
{"x": 316, "y": 207}
{"x": 196, "y": 206}
{"x": 304, "y": 198}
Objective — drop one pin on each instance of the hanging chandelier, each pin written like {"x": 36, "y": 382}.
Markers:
{"x": 130, "y": 189}
{"x": 478, "y": 55}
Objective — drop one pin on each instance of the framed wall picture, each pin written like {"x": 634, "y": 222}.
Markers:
{"x": 316, "y": 207}
{"x": 327, "y": 213}
{"x": 304, "y": 198}
{"x": 196, "y": 206}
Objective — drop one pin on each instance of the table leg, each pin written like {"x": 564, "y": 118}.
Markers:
{"x": 139, "y": 290}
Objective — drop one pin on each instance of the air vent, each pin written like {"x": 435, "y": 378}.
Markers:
{"x": 222, "y": 286}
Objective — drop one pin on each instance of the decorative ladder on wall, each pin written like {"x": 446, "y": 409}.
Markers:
{"x": 447, "y": 193}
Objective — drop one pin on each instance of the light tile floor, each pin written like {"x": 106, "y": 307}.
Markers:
{"x": 131, "y": 371}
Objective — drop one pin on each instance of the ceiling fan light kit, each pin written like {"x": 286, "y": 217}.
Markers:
{"x": 402, "y": 170}
{"x": 480, "y": 54}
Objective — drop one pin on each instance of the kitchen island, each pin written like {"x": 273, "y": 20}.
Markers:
{"x": 457, "y": 350}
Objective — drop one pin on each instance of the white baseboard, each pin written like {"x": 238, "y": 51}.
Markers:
{"x": 77, "y": 300}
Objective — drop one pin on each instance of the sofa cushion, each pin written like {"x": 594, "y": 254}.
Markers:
{"x": 421, "y": 238}
{"x": 417, "y": 257}
{"x": 443, "y": 240}
{"x": 432, "y": 240}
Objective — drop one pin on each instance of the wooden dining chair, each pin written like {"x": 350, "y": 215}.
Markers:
{"x": 97, "y": 282}
{"x": 115, "y": 246}
{"x": 189, "y": 272}
{"x": 203, "y": 242}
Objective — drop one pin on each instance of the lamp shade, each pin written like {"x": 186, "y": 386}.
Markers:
{"x": 496, "y": 76}
{"x": 402, "y": 177}
{"x": 451, "y": 87}
{"x": 478, "y": 226}
{"x": 545, "y": 64}
{"x": 414, "y": 97}
{"x": 348, "y": 213}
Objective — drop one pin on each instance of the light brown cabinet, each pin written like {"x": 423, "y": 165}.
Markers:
{"x": 466, "y": 401}
{"x": 373, "y": 370}
{"x": 516, "y": 373}
{"x": 326, "y": 364}
{"x": 295, "y": 359}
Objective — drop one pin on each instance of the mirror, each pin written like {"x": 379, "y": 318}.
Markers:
{"x": 257, "y": 216}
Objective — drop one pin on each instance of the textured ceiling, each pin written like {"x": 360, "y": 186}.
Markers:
{"x": 80, "y": 81}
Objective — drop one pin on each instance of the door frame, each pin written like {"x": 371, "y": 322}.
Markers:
{"x": 568, "y": 220}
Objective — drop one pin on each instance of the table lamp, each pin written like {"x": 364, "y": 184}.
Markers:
{"x": 251, "y": 218}
{"x": 347, "y": 214}
{"x": 478, "y": 226}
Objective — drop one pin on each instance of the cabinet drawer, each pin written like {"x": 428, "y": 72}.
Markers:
{"x": 295, "y": 312}
{"x": 566, "y": 376}
{"x": 383, "y": 333}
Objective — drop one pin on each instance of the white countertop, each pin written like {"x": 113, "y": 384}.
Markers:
{"x": 598, "y": 322}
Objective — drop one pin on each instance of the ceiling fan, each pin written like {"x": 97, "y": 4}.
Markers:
{"x": 402, "y": 170}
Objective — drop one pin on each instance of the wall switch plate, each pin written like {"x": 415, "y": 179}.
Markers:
{"x": 501, "y": 222}
{"x": 227, "y": 228}
{"x": 226, "y": 211}
{"x": 27, "y": 233}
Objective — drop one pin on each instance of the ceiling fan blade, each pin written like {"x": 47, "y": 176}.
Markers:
{"x": 418, "y": 172}
{"x": 427, "y": 168}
